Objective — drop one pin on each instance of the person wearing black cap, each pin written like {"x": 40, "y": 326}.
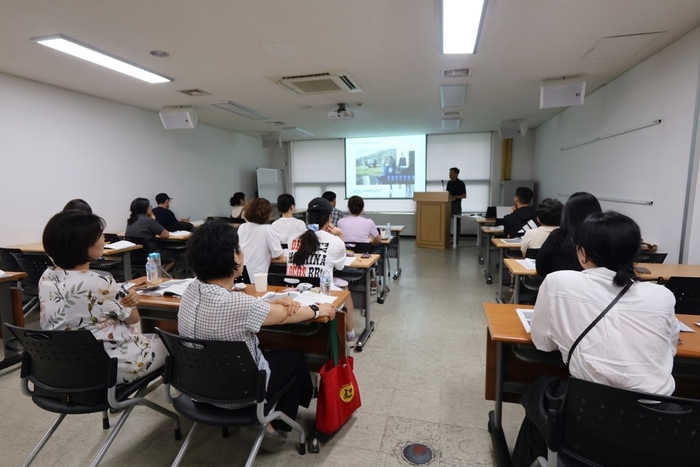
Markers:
{"x": 165, "y": 216}
{"x": 321, "y": 245}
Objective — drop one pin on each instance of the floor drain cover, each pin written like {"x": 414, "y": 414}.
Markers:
{"x": 418, "y": 454}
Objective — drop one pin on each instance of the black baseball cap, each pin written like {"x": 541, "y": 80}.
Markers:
{"x": 321, "y": 206}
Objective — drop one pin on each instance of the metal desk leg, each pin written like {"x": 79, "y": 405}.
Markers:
{"x": 487, "y": 266}
{"x": 516, "y": 291}
{"x": 369, "y": 324}
{"x": 385, "y": 274}
{"x": 126, "y": 263}
{"x": 398, "y": 256}
{"x": 7, "y": 316}
{"x": 499, "y": 290}
{"x": 498, "y": 438}
{"x": 479, "y": 244}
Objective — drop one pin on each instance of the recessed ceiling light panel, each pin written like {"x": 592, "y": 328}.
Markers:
{"x": 71, "y": 47}
{"x": 240, "y": 110}
{"x": 452, "y": 96}
{"x": 451, "y": 124}
{"x": 461, "y": 25}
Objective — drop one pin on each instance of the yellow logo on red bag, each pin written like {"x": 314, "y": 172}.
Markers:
{"x": 347, "y": 392}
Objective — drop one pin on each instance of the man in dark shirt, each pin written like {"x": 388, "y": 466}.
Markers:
{"x": 524, "y": 215}
{"x": 165, "y": 216}
{"x": 458, "y": 190}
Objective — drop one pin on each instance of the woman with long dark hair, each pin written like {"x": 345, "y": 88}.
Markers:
{"x": 631, "y": 346}
{"x": 142, "y": 223}
{"x": 322, "y": 245}
{"x": 557, "y": 252}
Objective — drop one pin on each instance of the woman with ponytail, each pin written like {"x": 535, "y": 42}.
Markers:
{"x": 322, "y": 245}
{"x": 632, "y": 345}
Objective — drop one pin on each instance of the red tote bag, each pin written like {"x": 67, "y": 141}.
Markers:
{"x": 338, "y": 394}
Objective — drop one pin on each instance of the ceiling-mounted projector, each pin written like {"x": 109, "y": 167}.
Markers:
{"x": 341, "y": 114}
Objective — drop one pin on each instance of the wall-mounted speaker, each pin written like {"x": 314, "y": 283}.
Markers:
{"x": 270, "y": 140}
{"x": 512, "y": 129}
{"x": 178, "y": 118}
{"x": 562, "y": 92}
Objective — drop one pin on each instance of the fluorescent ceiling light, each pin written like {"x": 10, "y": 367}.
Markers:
{"x": 71, "y": 47}
{"x": 461, "y": 23}
{"x": 296, "y": 128}
{"x": 452, "y": 96}
{"x": 451, "y": 124}
{"x": 240, "y": 110}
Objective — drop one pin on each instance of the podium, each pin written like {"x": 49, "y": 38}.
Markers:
{"x": 433, "y": 213}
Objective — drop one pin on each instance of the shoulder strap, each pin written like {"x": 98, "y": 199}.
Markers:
{"x": 595, "y": 321}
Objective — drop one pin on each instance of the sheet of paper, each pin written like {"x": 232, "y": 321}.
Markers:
{"x": 527, "y": 263}
{"x": 304, "y": 299}
{"x": 197, "y": 223}
{"x": 498, "y": 228}
{"x": 119, "y": 245}
{"x": 511, "y": 241}
{"x": 180, "y": 233}
{"x": 525, "y": 317}
{"x": 686, "y": 328}
{"x": 172, "y": 287}
{"x": 2, "y": 273}
{"x": 349, "y": 260}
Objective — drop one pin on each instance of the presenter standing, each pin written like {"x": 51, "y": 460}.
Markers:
{"x": 458, "y": 190}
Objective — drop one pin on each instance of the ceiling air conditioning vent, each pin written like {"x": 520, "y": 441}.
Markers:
{"x": 319, "y": 83}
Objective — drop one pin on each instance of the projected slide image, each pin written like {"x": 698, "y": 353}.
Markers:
{"x": 385, "y": 167}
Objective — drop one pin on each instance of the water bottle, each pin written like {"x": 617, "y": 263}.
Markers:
{"x": 387, "y": 233}
{"x": 326, "y": 280}
{"x": 153, "y": 271}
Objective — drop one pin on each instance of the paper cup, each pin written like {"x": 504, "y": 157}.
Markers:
{"x": 260, "y": 279}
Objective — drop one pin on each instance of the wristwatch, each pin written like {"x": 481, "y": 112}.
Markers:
{"x": 316, "y": 310}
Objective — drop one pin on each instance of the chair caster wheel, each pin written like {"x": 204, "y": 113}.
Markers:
{"x": 489, "y": 281}
{"x": 380, "y": 300}
{"x": 396, "y": 276}
{"x": 314, "y": 445}
{"x": 481, "y": 261}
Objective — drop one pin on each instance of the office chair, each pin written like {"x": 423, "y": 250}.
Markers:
{"x": 687, "y": 293}
{"x": 34, "y": 264}
{"x": 220, "y": 372}
{"x": 72, "y": 374}
{"x": 601, "y": 425}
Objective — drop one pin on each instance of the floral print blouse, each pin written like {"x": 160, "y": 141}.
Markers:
{"x": 73, "y": 300}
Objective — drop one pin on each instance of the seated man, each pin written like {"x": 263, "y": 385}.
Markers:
{"x": 548, "y": 216}
{"x": 165, "y": 216}
{"x": 523, "y": 217}
{"x": 336, "y": 214}
{"x": 358, "y": 229}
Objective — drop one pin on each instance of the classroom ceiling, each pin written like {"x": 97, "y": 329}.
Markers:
{"x": 391, "y": 48}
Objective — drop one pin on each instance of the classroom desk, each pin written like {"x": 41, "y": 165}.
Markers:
{"x": 517, "y": 270}
{"x": 665, "y": 271}
{"x": 502, "y": 245}
{"x": 386, "y": 243}
{"x": 313, "y": 342}
{"x": 359, "y": 263}
{"x": 7, "y": 316}
{"x": 125, "y": 253}
{"x": 481, "y": 222}
{"x": 489, "y": 232}
{"x": 171, "y": 238}
{"x": 508, "y": 377}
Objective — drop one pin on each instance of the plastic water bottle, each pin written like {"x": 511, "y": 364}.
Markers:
{"x": 153, "y": 270}
{"x": 326, "y": 281}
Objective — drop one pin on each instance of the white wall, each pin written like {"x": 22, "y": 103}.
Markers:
{"x": 56, "y": 145}
{"x": 649, "y": 164}
{"x": 522, "y": 163}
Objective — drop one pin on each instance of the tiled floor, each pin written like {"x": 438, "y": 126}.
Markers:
{"x": 421, "y": 379}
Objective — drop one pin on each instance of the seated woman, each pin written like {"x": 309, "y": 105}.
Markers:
{"x": 78, "y": 205}
{"x": 237, "y": 203}
{"x": 631, "y": 347}
{"x": 257, "y": 238}
{"x": 211, "y": 310}
{"x": 142, "y": 223}
{"x": 358, "y": 229}
{"x": 558, "y": 253}
{"x": 74, "y": 297}
{"x": 321, "y": 245}
{"x": 287, "y": 226}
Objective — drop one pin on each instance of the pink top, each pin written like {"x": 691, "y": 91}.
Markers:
{"x": 357, "y": 229}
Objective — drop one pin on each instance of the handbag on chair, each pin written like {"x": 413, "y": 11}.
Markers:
{"x": 338, "y": 394}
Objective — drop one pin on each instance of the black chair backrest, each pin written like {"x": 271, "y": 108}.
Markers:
{"x": 644, "y": 257}
{"x": 490, "y": 212}
{"x": 532, "y": 253}
{"x": 34, "y": 264}
{"x": 221, "y": 372}
{"x": 244, "y": 278}
{"x": 687, "y": 293}
{"x": 357, "y": 247}
{"x": 612, "y": 426}
{"x": 65, "y": 361}
{"x": 112, "y": 237}
{"x": 279, "y": 280}
{"x": 8, "y": 261}
{"x": 138, "y": 257}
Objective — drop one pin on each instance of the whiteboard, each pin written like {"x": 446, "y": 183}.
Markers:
{"x": 270, "y": 183}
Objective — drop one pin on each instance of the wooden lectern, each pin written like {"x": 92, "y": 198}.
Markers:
{"x": 433, "y": 212}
